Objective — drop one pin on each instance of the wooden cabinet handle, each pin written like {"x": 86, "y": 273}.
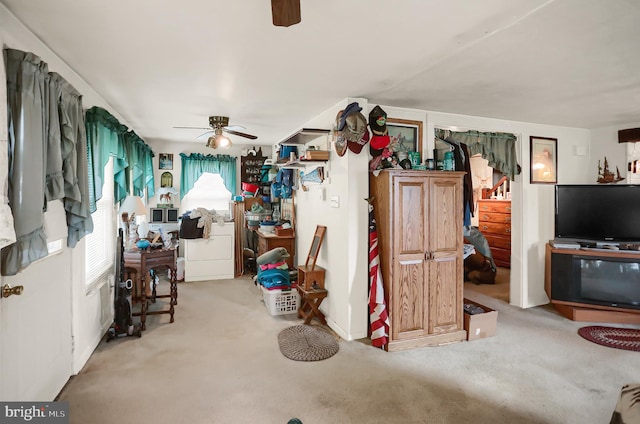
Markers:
{"x": 412, "y": 262}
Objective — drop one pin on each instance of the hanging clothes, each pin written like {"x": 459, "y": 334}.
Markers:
{"x": 462, "y": 162}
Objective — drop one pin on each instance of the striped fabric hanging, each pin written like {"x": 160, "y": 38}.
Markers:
{"x": 379, "y": 320}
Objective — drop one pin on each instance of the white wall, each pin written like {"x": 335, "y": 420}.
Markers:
{"x": 344, "y": 253}
{"x": 89, "y": 323}
{"x": 605, "y": 144}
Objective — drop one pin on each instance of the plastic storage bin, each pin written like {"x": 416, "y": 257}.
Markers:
{"x": 281, "y": 302}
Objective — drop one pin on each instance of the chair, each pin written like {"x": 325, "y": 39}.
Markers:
{"x": 311, "y": 275}
{"x": 311, "y": 281}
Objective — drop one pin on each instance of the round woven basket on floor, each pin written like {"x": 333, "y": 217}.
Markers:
{"x": 307, "y": 343}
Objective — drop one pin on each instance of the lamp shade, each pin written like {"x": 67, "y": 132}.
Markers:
{"x": 133, "y": 204}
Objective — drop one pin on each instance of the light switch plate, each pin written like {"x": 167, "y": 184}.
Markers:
{"x": 335, "y": 201}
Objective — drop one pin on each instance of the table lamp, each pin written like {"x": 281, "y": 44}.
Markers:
{"x": 134, "y": 206}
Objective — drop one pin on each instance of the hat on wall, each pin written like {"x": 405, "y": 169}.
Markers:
{"x": 355, "y": 131}
{"x": 351, "y": 109}
{"x": 340, "y": 142}
{"x": 356, "y": 146}
{"x": 379, "y": 142}
{"x": 378, "y": 121}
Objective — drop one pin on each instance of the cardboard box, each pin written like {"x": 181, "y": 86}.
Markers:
{"x": 479, "y": 326}
{"x": 316, "y": 155}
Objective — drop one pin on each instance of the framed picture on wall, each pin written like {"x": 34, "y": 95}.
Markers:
{"x": 166, "y": 179}
{"x": 544, "y": 160}
{"x": 408, "y": 133}
{"x": 166, "y": 160}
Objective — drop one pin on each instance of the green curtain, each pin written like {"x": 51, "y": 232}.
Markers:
{"x": 499, "y": 149}
{"x": 107, "y": 137}
{"x": 140, "y": 160}
{"x": 196, "y": 164}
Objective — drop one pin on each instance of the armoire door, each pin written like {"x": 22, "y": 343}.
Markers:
{"x": 445, "y": 282}
{"x": 409, "y": 309}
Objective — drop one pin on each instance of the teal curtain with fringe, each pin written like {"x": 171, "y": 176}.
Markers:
{"x": 499, "y": 149}
{"x": 196, "y": 164}
{"x": 141, "y": 163}
{"x": 107, "y": 137}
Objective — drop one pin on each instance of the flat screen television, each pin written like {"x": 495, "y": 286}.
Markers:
{"x": 597, "y": 212}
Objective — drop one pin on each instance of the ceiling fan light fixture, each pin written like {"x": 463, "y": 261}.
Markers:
{"x": 218, "y": 140}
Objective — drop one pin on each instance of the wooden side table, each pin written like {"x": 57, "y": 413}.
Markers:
{"x": 143, "y": 261}
{"x": 311, "y": 277}
{"x": 267, "y": 242}
{"x": 310, "y": 304}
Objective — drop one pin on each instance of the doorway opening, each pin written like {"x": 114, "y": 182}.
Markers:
{"x": 492, "y": 206}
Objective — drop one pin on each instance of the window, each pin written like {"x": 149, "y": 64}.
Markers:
{"x": 208, "y": 192}
{"x": 99, "y": 252}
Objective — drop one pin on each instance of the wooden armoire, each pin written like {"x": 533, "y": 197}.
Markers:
{"x": 419, "y": 220}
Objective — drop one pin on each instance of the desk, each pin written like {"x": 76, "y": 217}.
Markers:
{"x": 143, "y": 261}
{"x": 267, "y": 242}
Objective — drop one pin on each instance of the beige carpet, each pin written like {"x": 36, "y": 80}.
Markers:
{"x": 220, "y": 363}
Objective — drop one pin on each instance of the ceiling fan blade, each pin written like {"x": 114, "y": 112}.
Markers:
{"x": 192, "y": 128}
{"x": 285, "y": 12}
{"x": 252, "y": 137}
{"x": 234, "y": 128}
{"x": 205, "y": 134}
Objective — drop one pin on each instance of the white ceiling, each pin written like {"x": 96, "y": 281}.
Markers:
{"x": 166, "y": 63}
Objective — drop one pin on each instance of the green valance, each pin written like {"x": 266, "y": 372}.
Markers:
{"x": 196, "y": 164}
{"x": 499, "y": 149}
{"x": 107, "y": 137}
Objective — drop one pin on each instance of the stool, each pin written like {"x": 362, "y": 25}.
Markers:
{"x": 310, "y": 304}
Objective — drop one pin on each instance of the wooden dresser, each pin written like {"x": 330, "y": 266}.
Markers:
{"x": 494, "y": 221}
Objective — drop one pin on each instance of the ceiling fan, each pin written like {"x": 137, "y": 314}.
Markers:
{"x": 285, "y": 12}
{"x": 220, "y": 124}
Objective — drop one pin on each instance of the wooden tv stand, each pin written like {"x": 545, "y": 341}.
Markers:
{"x": 583, "y": 311}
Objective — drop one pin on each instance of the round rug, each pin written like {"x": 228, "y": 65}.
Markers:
{"x": 307, "y": 343}
{"x": 619, "y": 338}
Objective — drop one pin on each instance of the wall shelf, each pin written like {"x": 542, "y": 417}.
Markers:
{"x": 300, "y": 163}
{"x": 304, "y": 136}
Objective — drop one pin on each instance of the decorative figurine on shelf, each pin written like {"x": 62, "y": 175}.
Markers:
{"x": 605, "y": 176}
{"x": 165, "y": 199}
